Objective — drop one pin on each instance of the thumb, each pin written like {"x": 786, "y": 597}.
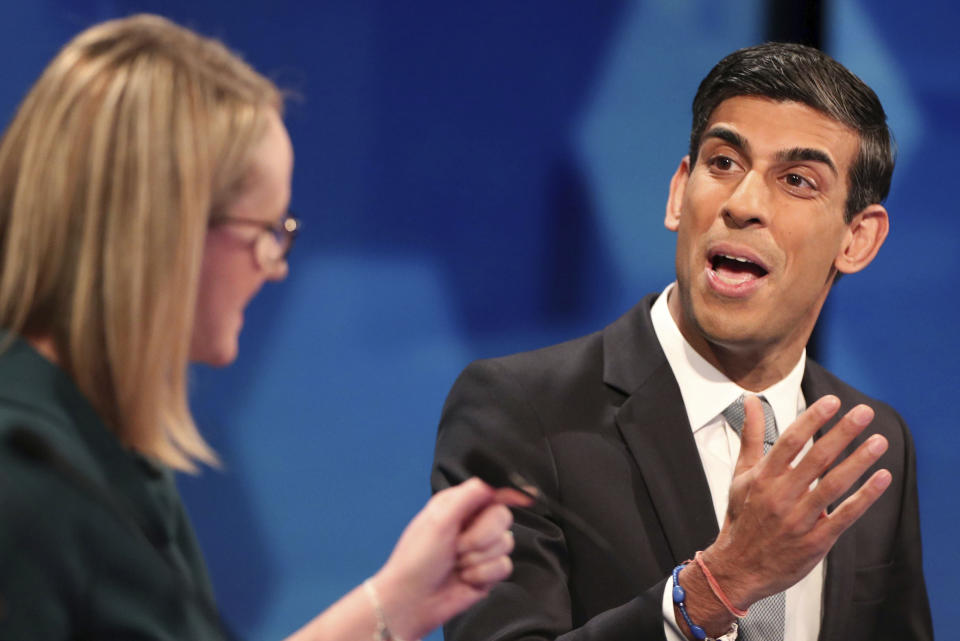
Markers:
{"x": 460, "y": 503}
{"x": 751, "y": 439}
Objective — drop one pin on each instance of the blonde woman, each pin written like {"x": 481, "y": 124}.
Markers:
{"x": 144, "y": 186}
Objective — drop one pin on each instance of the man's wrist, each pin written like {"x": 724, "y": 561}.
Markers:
{"x": 730, "y": 576}
{"x": 702, "y": 606}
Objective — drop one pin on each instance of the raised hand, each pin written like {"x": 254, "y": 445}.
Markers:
{"x": 776, "y": 527}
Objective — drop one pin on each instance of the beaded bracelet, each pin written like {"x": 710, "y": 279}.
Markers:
{"x": 679, "y": 599}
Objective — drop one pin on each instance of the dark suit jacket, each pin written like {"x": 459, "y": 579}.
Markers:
{"x": 94, "y": 540}
{"x": 599, "y": 424}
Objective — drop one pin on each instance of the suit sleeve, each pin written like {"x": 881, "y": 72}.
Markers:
{"x": 905, "y": 615}
{"x": 489, "y": 408}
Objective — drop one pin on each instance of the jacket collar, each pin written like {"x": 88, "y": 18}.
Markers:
{"x": 654, "y": 425}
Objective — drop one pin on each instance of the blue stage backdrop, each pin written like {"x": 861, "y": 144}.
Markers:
{"x": 480, "y": 178}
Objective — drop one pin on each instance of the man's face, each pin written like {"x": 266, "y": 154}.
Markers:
{"x": 759, "y": 222}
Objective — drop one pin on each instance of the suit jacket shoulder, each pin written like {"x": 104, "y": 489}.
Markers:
{"x": 559, "y": 415}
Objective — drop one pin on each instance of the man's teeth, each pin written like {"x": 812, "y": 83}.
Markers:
{"x": 737, "y": 258}
{"x": 736, "y": 269}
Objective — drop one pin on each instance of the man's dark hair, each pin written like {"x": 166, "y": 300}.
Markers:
{"x": 798, "y": 73}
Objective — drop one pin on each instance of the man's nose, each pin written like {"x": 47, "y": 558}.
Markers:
{"x": 748, "y": 204}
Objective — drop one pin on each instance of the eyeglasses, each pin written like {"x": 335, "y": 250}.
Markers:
{"x": 273, "y": 243}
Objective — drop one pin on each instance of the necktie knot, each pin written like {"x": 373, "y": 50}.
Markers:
{"x": 734, "y": 415}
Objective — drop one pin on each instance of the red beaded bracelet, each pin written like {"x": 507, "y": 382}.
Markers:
{"x": 715, "y": 587}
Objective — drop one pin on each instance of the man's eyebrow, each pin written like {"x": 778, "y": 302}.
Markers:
{"x": 807, "y": 154}
{"x": 728, "y": 136}
{"x": 797, "y": 154}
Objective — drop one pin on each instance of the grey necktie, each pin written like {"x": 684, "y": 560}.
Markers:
{"x": 767, "y": 617}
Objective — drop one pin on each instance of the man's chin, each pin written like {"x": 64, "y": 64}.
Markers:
{"x": 729, "y": 325}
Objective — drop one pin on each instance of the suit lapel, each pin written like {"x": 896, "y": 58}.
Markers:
{"x": 838, "y": 585}
{"x": 654, "y": 425}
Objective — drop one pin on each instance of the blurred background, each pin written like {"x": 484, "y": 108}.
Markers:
{"x": 487, "y": 177}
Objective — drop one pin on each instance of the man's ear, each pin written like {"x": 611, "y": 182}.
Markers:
{"x": 865, "y": 234}
{"x": 675, "y": 199}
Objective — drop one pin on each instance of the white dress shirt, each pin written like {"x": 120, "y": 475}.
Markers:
{"x": 706, "y": 393}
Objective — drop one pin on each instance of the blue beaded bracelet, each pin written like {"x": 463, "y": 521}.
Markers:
{"x": 679, "y": 596}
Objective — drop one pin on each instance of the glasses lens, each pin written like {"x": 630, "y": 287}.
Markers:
{"x": 281, "y": 239}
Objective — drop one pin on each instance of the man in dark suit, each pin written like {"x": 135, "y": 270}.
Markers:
{"x": 637, "y": 428}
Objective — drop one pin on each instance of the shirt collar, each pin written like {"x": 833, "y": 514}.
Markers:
{"x": 706, "y": 391}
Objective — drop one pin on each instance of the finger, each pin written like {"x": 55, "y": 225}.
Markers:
{"x": 483, "y": 588}
{"x": 502, "y": 546}
{"x": 510, "y": 496}
{"x": 485, "y": 529}
{"x": 751, "y": 440}
{"x": 460, "y": 503}
{"x": 841, "y": 478}
{"x": 847, "y": 513}
{"x": 793, "y": 438}
{"x": 828, "y": 447}
{"x": 488, "y": 572}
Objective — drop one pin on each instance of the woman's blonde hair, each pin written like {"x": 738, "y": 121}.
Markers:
{"x": 134, "y": 133}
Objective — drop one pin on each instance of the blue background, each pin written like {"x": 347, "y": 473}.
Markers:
{"x": 481, "y": 178}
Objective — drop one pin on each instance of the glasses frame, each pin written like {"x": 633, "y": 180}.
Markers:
{"x": 280, "y": 235}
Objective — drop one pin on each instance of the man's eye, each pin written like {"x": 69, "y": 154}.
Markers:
{"x": 798, "y": 181}
{"x": 722, "y": 162}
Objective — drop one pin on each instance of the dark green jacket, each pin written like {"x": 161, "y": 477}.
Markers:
{"x": 94, "y": 540}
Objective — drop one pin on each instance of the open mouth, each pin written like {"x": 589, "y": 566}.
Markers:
{"x": 736, "y": 269}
